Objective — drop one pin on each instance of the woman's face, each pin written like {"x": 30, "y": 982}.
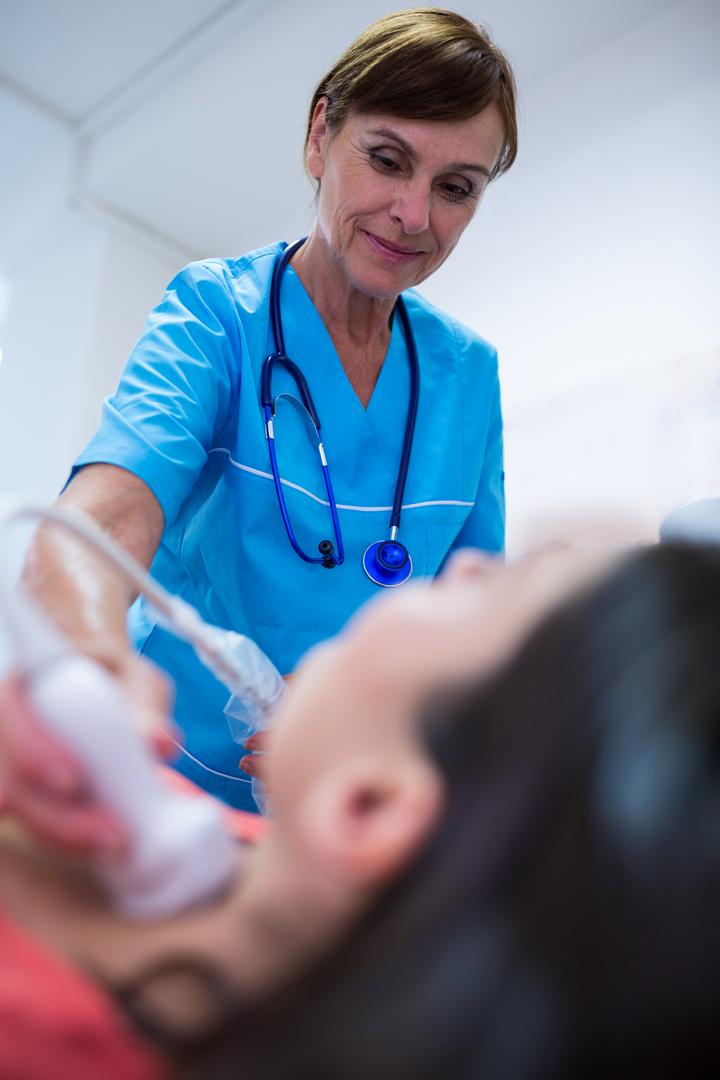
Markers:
{"x": 358, "y": 695}
{"x": 395, "y": 194}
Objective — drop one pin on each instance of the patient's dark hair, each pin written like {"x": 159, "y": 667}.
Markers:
{"x": 564, "y": 920}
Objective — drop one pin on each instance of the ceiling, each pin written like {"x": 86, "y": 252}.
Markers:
{"x": 189, "y": 114}
{"x": 72, "y": 55}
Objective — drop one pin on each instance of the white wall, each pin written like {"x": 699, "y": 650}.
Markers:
{"x": 46, "y": 341}
{"x": 74, "y": 311}
{"x": 50, "y": 262}
{"x": 593, "y": 267}
{"x": 75, "y": 289}
{"x": 133, "y": 278}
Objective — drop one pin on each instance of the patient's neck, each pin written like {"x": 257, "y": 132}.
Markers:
{"x": 252, "y": 942}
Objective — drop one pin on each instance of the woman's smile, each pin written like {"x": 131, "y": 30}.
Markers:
{"x": 390, "y": 251}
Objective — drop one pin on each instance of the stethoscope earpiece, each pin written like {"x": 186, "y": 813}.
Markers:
{"x": 387, "y": 563}
{"x": 327, "y": 550}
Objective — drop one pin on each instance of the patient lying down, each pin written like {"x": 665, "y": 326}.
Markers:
{"x": 494, "y": 853}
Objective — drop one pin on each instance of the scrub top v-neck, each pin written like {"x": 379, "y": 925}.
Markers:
{"x": 187, "y": 419}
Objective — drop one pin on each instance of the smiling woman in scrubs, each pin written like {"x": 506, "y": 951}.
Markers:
{"x": 404, "y": 134}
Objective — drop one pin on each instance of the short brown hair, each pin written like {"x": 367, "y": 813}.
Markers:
{"x": 422, "y": 64}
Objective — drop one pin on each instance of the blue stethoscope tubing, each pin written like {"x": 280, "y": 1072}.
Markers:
{"x": 386, "y": 562}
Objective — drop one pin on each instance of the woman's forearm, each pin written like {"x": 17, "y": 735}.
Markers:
{"x": 80, "y": 590}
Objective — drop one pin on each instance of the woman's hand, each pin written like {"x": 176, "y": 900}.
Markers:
{"x": 253, "y": 762}
{"x": 43, "y": 785}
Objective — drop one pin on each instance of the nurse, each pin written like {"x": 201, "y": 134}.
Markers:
{"x": 404, "y": 134}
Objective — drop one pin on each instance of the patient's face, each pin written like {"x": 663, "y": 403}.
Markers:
{"x": 361, "y": 691}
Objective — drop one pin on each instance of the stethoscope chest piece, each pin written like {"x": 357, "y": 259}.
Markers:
{"x": 387, "y": 563}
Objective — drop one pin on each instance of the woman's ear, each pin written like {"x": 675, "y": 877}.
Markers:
{"x": 362, "y": 821}
{"x": 317, "y": 139}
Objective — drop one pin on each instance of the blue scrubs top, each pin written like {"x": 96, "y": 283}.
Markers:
{"x": 187, "y": 419}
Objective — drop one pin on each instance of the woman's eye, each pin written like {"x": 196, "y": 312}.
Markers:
{"x": 455, "y": 192}
{"x": 383, "y": 163}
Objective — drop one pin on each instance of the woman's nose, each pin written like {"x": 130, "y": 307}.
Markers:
{"x": 411, "y": 208}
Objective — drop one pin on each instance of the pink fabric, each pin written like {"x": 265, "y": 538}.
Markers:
{"x": 55, "y": 1024}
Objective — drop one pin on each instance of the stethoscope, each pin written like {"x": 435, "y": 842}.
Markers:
{"x": 386, "y": 562}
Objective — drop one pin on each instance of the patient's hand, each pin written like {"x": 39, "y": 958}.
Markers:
{"x": 43, "y": 786}
{"x": 253, "y": 762}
